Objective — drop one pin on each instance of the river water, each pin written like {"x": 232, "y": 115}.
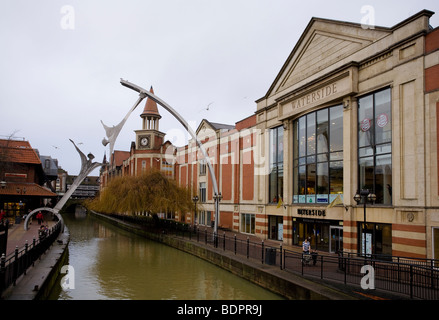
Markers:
{"x": 111, "y": 263}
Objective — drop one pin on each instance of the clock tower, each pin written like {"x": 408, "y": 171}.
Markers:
{"x": 149, "y": 138}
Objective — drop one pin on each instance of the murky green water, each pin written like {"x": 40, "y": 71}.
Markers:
{"x": 110, "y": 263}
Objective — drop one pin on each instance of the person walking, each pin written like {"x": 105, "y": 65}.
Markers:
{"x": 39, "y": 217}
{"x": 305, "y": 246}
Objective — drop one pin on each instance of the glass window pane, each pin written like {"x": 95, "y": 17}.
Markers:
{"x": 302, "y": 180}
{"x": 322, "y": 178}
{"x": 252, "y": 223}
{"x": 322, "y": 131}
{"x": 322, "y": 157}
{"x": 273, "y": 186}
{"x": 336, "y": 128}
{"x": 302, "y": 137}
{"x": 336, "y": 176}
{"x": 383, "y": 176}
{"x": 365, "y": 121}
{"x": 273, "y": 147}
{"x": 280, "y": 144}
{"x": 364, "y": 152}
{"x": 311, "y": 133}
{"x": 384, "y": 148}
{"x": 336, "y": 155}
{"x": 295, "y": 139}
{"x": 311, "y": 179}
{"x": 366, "y": 173}
{"x": 280, "y": 182}
{"x": 383, "y": 126}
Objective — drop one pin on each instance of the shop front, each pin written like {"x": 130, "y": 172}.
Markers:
{"x": 323, "y": 234}
{"x": 375, "y": 239}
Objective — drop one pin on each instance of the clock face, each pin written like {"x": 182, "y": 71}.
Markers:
{"x": 144, "y": 141}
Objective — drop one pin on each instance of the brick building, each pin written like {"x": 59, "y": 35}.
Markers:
{"x": 21, "y": 178}
{"x": 353, "y": 108}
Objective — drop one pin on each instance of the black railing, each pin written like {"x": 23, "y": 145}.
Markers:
{"x": 17, "y": 263}
{"x": 413, "y": 278}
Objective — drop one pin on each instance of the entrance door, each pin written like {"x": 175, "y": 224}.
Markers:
{"x": 336, "y": 239}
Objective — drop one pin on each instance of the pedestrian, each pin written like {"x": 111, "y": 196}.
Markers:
{"x": 2, "y": 215}
{"x": 39, "y": 217}
{"x": 305, "y": 246}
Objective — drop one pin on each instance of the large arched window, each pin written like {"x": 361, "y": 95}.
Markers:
{"x": 318, "y": 156}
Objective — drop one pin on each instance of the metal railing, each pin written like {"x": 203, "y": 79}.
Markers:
{"x": 413, "y": 278}
{"x": 17, "y": 263}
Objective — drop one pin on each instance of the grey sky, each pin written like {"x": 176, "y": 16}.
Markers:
{"x": 58, "y": 83}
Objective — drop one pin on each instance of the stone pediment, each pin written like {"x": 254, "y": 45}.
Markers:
{"x": 323, "y": 43}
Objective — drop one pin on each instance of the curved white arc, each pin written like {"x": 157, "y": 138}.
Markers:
{"x": 180, "y": 119}
{"x": 176, "y": 115}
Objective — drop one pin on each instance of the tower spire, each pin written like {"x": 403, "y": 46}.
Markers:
{"x": 150, "y": 114}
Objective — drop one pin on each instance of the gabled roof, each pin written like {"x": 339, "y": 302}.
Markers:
{"x": 18, "y": 151}
{"x": 32, "y": 189}
{"x": 118, "y": 157}
{"x": 215, "y": 126}
{"x": 323, "y": 45}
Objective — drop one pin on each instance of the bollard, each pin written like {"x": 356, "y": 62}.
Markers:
{"x": 224, "y": 242}
{"x": 280, "y": 256}
{"x": 25, "y": 257}
{"x": 235, "y": 244}
{"x": 262, "y": 253}
{"x": 248, "y": 247}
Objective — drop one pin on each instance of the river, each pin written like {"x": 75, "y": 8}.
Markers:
{"x": 111, "y": 263}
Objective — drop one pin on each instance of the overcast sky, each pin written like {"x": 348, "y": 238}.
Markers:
{"x": 61, "y": 62}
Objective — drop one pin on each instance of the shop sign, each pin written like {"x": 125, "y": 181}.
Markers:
{"x": 315, "y": 96}
{"x": 365, "y": 125}
{"x": 312, "y": 212}
{"x": 382, "y": 120}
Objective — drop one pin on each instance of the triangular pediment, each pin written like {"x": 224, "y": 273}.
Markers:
{"x": 323, "y": 44}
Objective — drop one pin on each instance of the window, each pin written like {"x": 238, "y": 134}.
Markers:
{"x": 318, "y": 156}
{"x": 203, "y": 167}
{"x": 202, "y": 192}
{"x": 276, "y": 176}
{"x": 204, "y": 218}
{"x": 375, "y": 145}
{"x": 247, "y": 223}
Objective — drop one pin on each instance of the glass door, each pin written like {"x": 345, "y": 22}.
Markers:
{"x": 336, "y": 239}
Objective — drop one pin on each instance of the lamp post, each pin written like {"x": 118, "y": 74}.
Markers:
{"x": 195, "y": 200}
{"x": 364, "y": 195}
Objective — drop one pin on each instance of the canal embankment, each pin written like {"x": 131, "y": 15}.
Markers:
{"x": 39, "y": 279}
{"x": 270, "y": 277}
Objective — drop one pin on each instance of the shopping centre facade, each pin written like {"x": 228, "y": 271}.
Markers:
{"x": 353, "y": 108}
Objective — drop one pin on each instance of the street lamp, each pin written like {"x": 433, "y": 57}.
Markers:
{"x": 364, "y": 195}
{"x": 195, "y": 200}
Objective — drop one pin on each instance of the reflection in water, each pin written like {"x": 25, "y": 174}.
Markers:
{"x": 110, "y": 263}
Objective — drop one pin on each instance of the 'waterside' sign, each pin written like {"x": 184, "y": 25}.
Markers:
{"x": 339, "y": 87}
{"x": 315, "y": 96}
{"x": 311, "y": 212}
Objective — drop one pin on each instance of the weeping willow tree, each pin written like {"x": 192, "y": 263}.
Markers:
{"x": 152, "y": 193}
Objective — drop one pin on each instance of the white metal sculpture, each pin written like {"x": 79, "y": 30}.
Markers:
{"x": 217, "y": 196}
{"x": 87, "y": 166}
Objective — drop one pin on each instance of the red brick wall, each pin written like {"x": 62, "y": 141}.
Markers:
{"x": 432, "y": 41}
{"x": 432, "y": 78}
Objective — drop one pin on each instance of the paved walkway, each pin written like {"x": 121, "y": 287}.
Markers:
{"x": 17, "y": 236}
